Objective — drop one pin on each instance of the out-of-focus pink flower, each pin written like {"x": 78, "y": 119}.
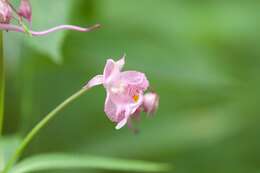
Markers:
{"x": 124, "y": 91}
{"x": 150, "y": 103}
{"x": 5, "y": 12}
{"x": 25, "y": 10}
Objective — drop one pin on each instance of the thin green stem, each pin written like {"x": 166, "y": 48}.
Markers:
{"x": 2, "y": 83}
{"x": 38, "y": 127}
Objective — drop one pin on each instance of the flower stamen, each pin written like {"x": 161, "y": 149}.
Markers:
{"x": 136, "y": 98}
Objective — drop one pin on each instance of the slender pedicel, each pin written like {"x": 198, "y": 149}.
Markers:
{"x": 15, "y": 28}
{"x": 2, "y": 83}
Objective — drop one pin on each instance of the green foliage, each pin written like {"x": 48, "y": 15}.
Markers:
{"x": 73, "y": 162}
{"x": 47, "y": 14}
{"x": 202, "y": 58}
{"x": 7, "y": 147}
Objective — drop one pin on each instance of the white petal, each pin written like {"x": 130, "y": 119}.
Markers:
{"x": 121, "y": 123}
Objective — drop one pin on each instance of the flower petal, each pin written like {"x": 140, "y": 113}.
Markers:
{"x": 135, "y": 78}
{"x": 134, "y": 106}
{"x": 112, "y": 69}
{"x": 96, "y": 80}
{"x": 119, "y": 112}
{"x": 110, "y": 109}
{"x": 151, "y": 102}
{"x": 121, "y": 62}
{"x": 121, "y": 123}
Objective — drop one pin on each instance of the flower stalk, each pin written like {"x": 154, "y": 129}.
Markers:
{"x": 2, "y": 82}
{"x": 28, "y": 138}
{"x": 15, "y": 28}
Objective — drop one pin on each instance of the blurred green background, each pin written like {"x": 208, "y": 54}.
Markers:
{"x": 202, "y": 57}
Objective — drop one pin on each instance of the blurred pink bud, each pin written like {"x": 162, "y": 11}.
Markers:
{"x": 25, "y": 10}
{"x": 150, "y": 103}
{"x": 5, "y": 12}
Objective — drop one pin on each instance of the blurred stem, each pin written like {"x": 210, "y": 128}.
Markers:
{"x": 2, "y": 82}
{"x": 38, "y": 127}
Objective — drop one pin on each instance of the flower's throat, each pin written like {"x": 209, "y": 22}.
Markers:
{"x": 136, "y": 98}
{"x": 121, "y": 88}
{"x": 118, "y": 89}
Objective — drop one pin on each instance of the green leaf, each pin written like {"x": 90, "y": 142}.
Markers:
{"x": 65, "y": 161}
{"x": 7, "y": 146}
{"x": 48, "y": 14}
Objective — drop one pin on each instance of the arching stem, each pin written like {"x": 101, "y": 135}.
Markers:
{"x": 28, "y": 138}
{"x": 2, "y": 83}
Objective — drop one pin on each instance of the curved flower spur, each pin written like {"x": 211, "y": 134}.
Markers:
{"x": 8, "y": 12}
{"x": 125, "y": 93}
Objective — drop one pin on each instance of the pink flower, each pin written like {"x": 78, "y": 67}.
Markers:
{"x": 124, "y": 91}
{"x": 151, "y": 102}
{"x": 5, "y": 12}
{"x": 25, "y": 10}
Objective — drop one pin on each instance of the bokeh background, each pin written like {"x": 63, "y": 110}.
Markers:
{"x": 202, "y": 57}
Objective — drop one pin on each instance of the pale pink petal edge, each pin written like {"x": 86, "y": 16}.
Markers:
{"x": 122, "y": 123}
{"x": 96, "y": 80}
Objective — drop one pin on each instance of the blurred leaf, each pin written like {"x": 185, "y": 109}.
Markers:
{"x": 48, "y": 14}
{"x": 7, "y": 147}
{"x": 65, "y": 161}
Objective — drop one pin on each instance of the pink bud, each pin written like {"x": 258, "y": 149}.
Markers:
{"x": 25, "y": 10}
{"x": 150, "y": 102}
{"x": 5, "y": 12}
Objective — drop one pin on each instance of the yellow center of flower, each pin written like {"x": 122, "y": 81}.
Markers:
{"x": 136, "y": 98}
